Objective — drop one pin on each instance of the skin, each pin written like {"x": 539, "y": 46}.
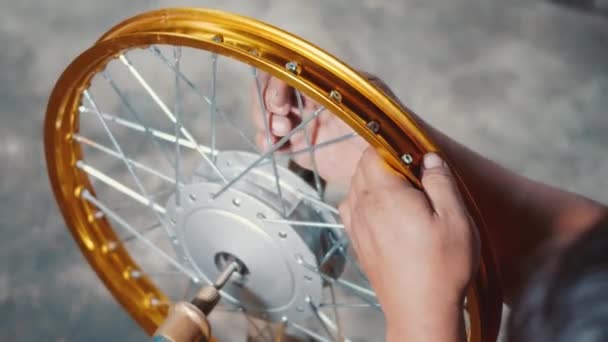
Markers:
{"x": 423, "y": 299}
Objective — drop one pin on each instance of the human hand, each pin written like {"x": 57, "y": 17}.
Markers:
{"x": 335, "y": 163}
{"x": 419, "y": 249}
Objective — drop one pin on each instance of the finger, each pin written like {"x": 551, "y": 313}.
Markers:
{"x": 379, "y": 173}
{"x": 278, "y": 96}
{"x": 280, "y": 125}
{"x": 345, "y": 212}
{"x": 440, "y": 186}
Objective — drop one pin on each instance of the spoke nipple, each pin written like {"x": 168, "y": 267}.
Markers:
{"x": 335, "y": 95}
{"x": 218, "y": 38}
{"x": 98, "y": 214}
{"x": 135, "y": 274}
{"x": 154, "y": 302}
{"x": 292, "y": 67}
{"x": 374, "y": 126}
{"x": 111, "y": 246}
{"x": 407, "y": 159}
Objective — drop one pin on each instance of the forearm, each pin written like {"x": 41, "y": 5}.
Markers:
{"x": 521, "y": 214}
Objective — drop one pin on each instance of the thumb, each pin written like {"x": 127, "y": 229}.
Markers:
{"x": 440, "y": 186}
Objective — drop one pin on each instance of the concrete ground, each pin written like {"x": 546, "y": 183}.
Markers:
{"x": 523, "y": 82}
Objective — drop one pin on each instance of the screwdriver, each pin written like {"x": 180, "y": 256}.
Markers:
{"x": 187, "y": 321}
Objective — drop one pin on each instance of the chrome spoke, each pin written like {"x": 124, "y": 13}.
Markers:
{"x": 170, "y": 138}
{"x": 275, "y": 148}
{"x": 320, "y": 145}
{"x": 212, "y": 105}
{"x": 124, "y": 224}
{"x": 139, "y": 274}
{"x": 313, "y": 159}
{"x": 128, "y": 165}
{"x": 118, "y": 186}
{"x": 168, "y": 112}
{"x": 264, "y": 114}
{"x": 363, "y": 292}
{"x": 199, "y": 94}
{"x": 131, "y": 110}
{"x": 308, "y": 332}
{"x": 144, "y": 231}
{"x": 177, "y": 54}
{"x": 322, "y": 319}
{"x": 319, "y": 203}
{"x": 343, "y": 241}
{"x": 109, "y": 151}
{"x": 311, "y": 224}
{"x": 332, "y": 293}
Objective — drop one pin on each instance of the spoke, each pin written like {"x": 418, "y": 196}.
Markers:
{"x": 363, "y": 292}
{"x": 293, "y": 208}
{"x": 313, "y": 159}
{"x": 308, "y": 332}
{"x": 323, "y": 319}
{"x": 109, "y": 151}
{"x": 131, "y": 110}
{"x": 275, "y": 148}
{"x": 119, "y": 186}
{"x": 138, "y": 274}
{"x": 320, "y": 203}
{"x": 264, "y": 114}
{"x": 124, "y": 224}
{"x": 212, "y": 105}
{"x": 353, "y": 262}
{"x": 200, "y": 95}
{"x": 343, "y": 241}
{"x": 321, "y": 145}
{"x": 142, "y": 232}
{"x": 118, "y": 149}
{"x": 177, "y": 54}
{"x": 348, "y": 305}
{"x": 168, "y": 112}
{"x": 332, "y": 293}
{"x": 311, "y": 224}
{"x": 139, "y": 128}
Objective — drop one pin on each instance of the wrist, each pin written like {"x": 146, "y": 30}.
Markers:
{"x": 442, "y": 322}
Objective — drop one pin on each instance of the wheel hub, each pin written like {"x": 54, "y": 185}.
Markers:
{"x": 278, "y": 261}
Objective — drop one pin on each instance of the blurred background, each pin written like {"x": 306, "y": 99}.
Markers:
{"x": 522, "y": 82}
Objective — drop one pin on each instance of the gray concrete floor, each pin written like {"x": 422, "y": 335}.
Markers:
{"x": 523, "y": 82}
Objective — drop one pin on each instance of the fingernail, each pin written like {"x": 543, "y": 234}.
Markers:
{"x": 432, "y": 160}
{"x": 280, "y": 127}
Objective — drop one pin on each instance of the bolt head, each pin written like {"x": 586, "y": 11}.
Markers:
{"x": 407, "y": 158}
{"x": 292, "y": 67}
{"x": 373, "y": 126}
{"x": 335, "y": 95}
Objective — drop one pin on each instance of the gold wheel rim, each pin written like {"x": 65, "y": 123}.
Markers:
{"x": 330, "y": 82}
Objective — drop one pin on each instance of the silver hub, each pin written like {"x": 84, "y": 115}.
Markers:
{"x": 277, "y": 279}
